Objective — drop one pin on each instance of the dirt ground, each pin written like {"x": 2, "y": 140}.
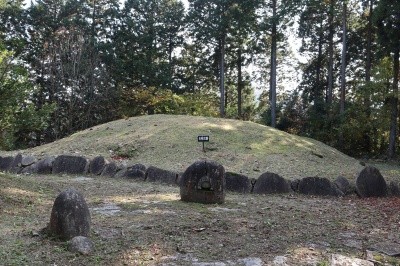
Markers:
{"x": 139, "y": 223}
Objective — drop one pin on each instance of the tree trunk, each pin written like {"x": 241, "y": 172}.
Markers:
{"x": 343, "y": 73}
{"x": 239, "y": 83}
{"x": 330, "y": 54}
{"x": 367, "y": 98}
{"x": 222, "y": 74}
{"x": 369, "y": 48}
{"x": 273, "y": 66}
{"x": 395, "y": 100}
{"x": 343, "y": 65}
{"x": 317, "y": 93}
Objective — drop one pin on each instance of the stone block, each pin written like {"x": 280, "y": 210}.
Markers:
{"x": 154, "y": 174}
{"x": 270, "y": 183}
{"x": 370, "y": 183}
{"x": 67, "y": 164}
{"x": 237, "y": 183}
{"x": 318, "y": 186}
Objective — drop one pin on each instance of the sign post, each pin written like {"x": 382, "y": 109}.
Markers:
{"x": 203, "y": 139}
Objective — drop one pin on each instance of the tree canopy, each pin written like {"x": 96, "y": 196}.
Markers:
{"x": 324, "y": 69}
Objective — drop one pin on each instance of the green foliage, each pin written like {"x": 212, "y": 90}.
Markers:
{"x": 387, "y": 19}
{"x": 20, "y": 118}
{"x": 146, "y": 44}
{"x": 141, "y": 101}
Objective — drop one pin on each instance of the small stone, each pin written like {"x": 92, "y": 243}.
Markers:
{"x": 16, "y": 164}
{"x": 250, "y": 262}
{"x": 344, "y": 185}
{"x": 110, "y": 169}
{"x": 340, "y": 260}
{"x": 280, "y": 261}
{"x": 35, "y": 234}
{"x": 97, "y": 165}
{"x": 294, "y": 185}
{"x": 81, "y": 244}
{"x": 389, "y": 248}
{"x": 28, "y": 160}
{"x": 394, "y": 189}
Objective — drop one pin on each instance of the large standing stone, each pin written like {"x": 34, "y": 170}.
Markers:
{"x": 269, "y": 183}
{"x": 237, "y": 183}
{"x": 318, "y": 186}
{"x": 370, "y": 183}
{"x": 154, "y": 174}
{"x": 97, "y": 165}
{"x": 5, "y": 163}
{"x": 70, "y": 215}
{"x": 203, "y": 182}
{"x": 66, "y": 164}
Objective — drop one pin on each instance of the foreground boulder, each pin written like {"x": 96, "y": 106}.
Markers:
{"x": 203, "y": 182}
{"x": 70, "y": 216}
{"x": 318, "y": 186}
{"x": 270, "y": 183}
{"x": 237, "y": 183}
{"x": 370, "y": 183}
{"x": 66, "y": 164}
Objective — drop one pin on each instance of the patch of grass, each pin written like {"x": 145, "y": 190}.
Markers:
{"x": 323, "y": 263}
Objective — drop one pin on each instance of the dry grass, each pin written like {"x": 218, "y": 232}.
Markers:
{"x": 151, "y": 226}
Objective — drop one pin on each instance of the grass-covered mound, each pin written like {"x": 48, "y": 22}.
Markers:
{"x": 170, "y": 142}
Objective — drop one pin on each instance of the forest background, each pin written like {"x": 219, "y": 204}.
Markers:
{"x": 67, "y": 65}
